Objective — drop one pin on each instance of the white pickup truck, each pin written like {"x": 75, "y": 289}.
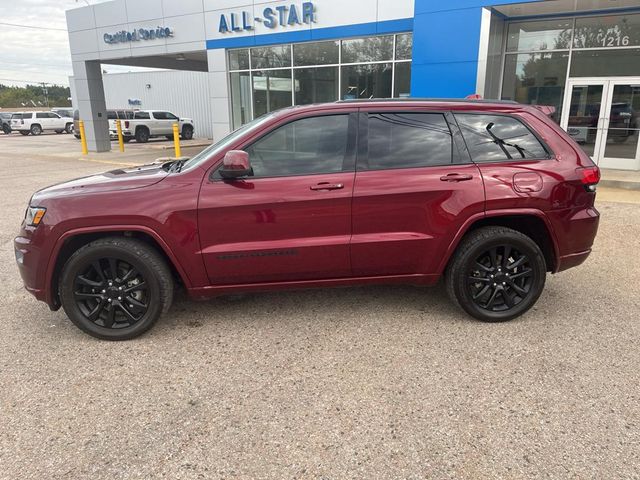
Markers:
{"x": 147, "y": 124}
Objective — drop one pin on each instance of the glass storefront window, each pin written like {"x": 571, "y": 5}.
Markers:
{"x": 371, "y": 49}
{"x": 241, "y": 93}
{"x": 271, "y": 57}
{"x": 316, "y": 53}
{"x": 239, "y": 59}
{"x": 404, "y": 46}
{"x": 263, "y": 79}
{"x": 545, "y": 35}
{"x": 606, "y": 63}
{"x": 402, "y": 86}
{"x": 536, "y": 79}
{"x": 316, "y": 85}
{"x": 271, "y": 91}
{"x": 607, "y": 32}
{"x": 366, "y": 81}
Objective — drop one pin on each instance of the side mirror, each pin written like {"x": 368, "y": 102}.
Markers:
{"x": 236, "y": 164}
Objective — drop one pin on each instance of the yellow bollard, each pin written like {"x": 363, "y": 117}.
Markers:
{"x": 83, "y": 138}
{"x": 176, "y": 140}
{"x": 120, "y": 137}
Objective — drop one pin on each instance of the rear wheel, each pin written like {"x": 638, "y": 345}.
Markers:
{"x": 36, "y": 129}
{"x": 187, "y": 132}
{"x": 116, "y": 288}
{"x": 142, "y": 135}
{"x": 497, "y": 274}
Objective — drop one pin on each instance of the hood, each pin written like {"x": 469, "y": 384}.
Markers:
{"x": 112, "y": 181}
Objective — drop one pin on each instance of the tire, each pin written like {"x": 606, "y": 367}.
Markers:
{"x": 69, "y": 128}
{"x": 84, "y": 291}
{"x": 24, "y": 132}
{"x": 187, "y": 132}
{"x": 36, "y": 129}
{"x": 142, "y": 135}
{"x": 507, "y": 286}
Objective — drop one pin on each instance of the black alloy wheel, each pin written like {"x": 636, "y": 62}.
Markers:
{"x": 496, "y": 274}
{"x": 116, "y": 288}
{"x": 111, "y": 293}
{"x": 500, "y": 278}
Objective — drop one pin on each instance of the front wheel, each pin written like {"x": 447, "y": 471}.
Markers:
{"x": 36, "y": 129}
{"x": 496, "y": 274}
{"x": 69, "y": 128}
{"x": 115, "y": 288}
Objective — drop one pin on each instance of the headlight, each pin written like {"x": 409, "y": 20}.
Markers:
{"x": 34, "y": 216}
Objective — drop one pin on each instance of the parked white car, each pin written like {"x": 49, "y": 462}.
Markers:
{"x": 148, "y": 124}
{"x": 35, "y": 123}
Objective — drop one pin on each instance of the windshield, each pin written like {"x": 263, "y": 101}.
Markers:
{"x": 225, "y": 142}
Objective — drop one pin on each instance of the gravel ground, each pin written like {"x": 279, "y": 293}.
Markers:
{"x": 384, "y": 382}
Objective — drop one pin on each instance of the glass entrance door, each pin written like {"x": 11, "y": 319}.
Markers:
{"x": 603, "y": 116}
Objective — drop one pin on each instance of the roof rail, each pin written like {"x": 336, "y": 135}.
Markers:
{"x": 418, "y": 99}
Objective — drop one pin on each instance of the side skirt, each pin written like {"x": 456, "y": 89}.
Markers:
{"x": 203, "y": 293}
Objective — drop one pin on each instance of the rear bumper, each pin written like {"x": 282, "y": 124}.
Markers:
{"x": 572, "y": 260}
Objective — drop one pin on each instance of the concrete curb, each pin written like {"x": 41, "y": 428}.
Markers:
{"x": 621, "y": 184}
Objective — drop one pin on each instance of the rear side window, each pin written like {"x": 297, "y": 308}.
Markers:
{"x": 160, "y": 115}
{"x": 406, "y": 140}
{"x": 304, "y": 147}
{"x": 142, "y": 115}
{"x": 493, "y": 138}
{"x": 42, "y": 115}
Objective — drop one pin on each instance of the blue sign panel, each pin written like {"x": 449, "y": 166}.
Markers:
{"x": 280, "y": 16}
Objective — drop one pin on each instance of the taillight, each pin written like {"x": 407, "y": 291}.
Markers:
{"x": 126, "y": 124}
{"x": 590, "y": 177}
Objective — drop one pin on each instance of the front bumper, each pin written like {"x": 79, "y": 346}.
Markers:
{"x": 29, "y": 258}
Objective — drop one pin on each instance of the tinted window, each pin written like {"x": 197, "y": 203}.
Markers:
{"x": 493, "y": 138}
{"x": 160, "y": 115}
{"x": 53, "y": 115}
{"x": 141, "y": 115}
{"x": 111, "y": 115}
{"x": 404, "y": 140}
{"x": 303, "y": 147}
{"x": 17, "y": 116}
{"x": 42, "y": 115}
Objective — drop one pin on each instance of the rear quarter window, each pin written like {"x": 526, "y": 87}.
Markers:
{"x": 494, "y": 138}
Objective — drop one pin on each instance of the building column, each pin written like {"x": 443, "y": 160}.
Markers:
{"x": 91, "y": 104}
{"x": 219, "y": 99}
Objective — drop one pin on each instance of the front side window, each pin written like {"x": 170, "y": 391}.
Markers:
{"x": 42, "y": 115}
{"x": 304, "y": 147}
{"x": 494, "y": 138}
{"x": 160, "y": 115}
{"x": 408, "y": 140}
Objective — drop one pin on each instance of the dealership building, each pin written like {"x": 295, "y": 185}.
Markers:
{"x": 242, "y": 59}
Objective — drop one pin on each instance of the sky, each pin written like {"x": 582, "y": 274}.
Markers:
{"x": 40, "y": 54}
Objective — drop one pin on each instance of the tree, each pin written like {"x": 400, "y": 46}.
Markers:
{"x": 16, "y": 97}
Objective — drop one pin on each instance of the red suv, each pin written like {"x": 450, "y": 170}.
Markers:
{"x": 490, "y": 195}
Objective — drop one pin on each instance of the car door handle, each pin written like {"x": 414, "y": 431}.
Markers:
{"x": 327, "y": 186}
{"x": 456, "y": 177}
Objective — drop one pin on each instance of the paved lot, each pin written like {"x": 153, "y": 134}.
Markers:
{"x": 385, "y": 382}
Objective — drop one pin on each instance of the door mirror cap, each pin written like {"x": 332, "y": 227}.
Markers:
{"x": 236, "y": 164}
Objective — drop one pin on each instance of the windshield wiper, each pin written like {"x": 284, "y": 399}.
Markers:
{"x": 501, "y": 143}
{"x": 175, "y": 166}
